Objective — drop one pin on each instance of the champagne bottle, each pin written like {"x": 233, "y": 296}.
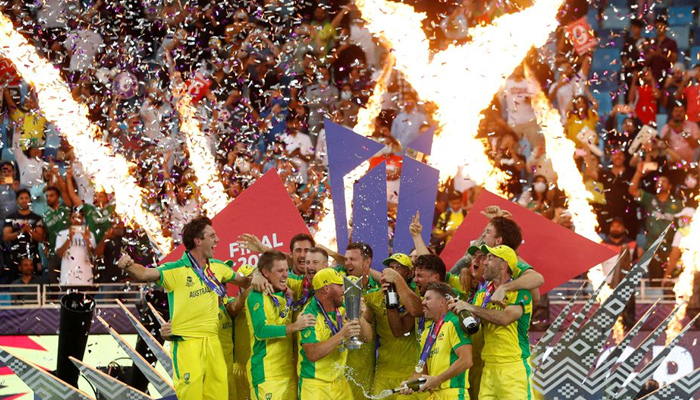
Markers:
{"x": 391, "y": 297}
{"x": 413, "y": 384}
{"x": 469, "y": 323}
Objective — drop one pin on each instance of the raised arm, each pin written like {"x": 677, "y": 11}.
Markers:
{"x": 410, "y": 300}
{"x": 138, "y": 271}
{"x": 416, "y": 233}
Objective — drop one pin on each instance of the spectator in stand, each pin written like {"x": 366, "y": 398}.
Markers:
{"x": 540, "y": 164}
{"x": 406, "y": 126}
{"x": 570, "y": 84}
{"x": 509, "y": 158}
{"x": 298, "y": 148}
{"x": 321, "y": 99}
{"x": 620, "y": 203}
{"x": 99, "y": 215}
{"x": 621, "y": 136}
{"x": 23, "y": 231}
{"x": 682, "y": 137}
{"x": 8, "y": 189}
{"x": 55, "y": 219}
{"x": 582, "y": 115}
{"x": 690, "y": 88}
{"x": 76, "y": 246}
{"x": 645, "y": 95}
{"x": 82, "y": 45}
{"x": 26, "y": 277}
{"x": 184, "y": 207}
{"x": 672, "y": 85}
{"x": 517, "y": 94}
{"x": 689, "y": 190}
{"x": 28, "y": 122}
{"x": 449, "y": 221}
{"x": 538, "y": 198}
{"x": 631, "y": 52}
{"x": 661, "y": 52}
{"x": 659, "y": 211}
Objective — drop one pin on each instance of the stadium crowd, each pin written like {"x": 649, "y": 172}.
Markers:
{"x": 264, "y": 76}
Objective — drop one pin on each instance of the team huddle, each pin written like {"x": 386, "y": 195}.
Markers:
{"x": 288, "y": 335}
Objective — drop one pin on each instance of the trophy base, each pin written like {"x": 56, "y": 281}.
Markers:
{"x": 353, "y": 344}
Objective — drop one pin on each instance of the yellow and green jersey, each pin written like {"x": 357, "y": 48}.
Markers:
{"x": 271, "y": 347}
{"x": 396, "y": 356}
{"x": 454, "y": 282}
{"x": 520, "y": 268}
{"x": 443, "y": 354}
{"x": 507, "y": 344}
{"x": 330, "y": 367}
{"x": 194, "y": 307}
{"x": 241, "y": 339}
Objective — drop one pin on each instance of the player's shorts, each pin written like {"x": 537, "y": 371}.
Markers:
{"x": 384, "y": 381}
{"x": 449, "y": 394}
{"x": 274, "y": 389}
{"x": 338, "y": 389}
{"x": 517, "y": 374}
{"x": 240, "y": 379}
{"x": 199, "y": 369}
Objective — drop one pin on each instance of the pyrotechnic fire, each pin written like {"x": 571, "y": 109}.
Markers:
{"x": 58, "y": 106}
{"x": 462, "y": 79}
{"x": 690, "y": 260}
{"x": 213, "y": 195}
{"x": 560, "y": 150}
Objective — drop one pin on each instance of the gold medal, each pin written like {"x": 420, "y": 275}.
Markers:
{"x": 419, "y": 368}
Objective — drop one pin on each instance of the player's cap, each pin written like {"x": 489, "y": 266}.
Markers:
{"x": 400, "y": 258}
{"x": 326, "y": 276}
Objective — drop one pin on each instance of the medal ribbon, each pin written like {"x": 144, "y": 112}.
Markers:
{"x": 275, "y": 300}
{"x": 338, "y": 319}
{"x": 305, "y": 294}
{"x": 207, "y": 277}
{"x": 430, "y": 341}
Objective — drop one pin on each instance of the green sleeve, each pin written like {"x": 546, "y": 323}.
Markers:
{"x": 522, "y": 267}
{"x": 646, "y": 198}
{"x": 258, "y": 319}
{"x": 459, "y": 336}
{"x": 523, "y": 297}
{"x": 308, "y": 335}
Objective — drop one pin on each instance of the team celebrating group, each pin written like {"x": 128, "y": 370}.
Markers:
{"x": 287, "y": 334}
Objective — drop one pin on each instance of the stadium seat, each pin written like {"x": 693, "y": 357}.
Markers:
{"x": 618, "y": 3}
{"x": 694, "y": 56}
{"x": 681, "y": 16}
{"x": 695, "y": 37}
{"x": 606, "y": 60}
{"x": 616, "y": 18}
{"x": 603, "y": 84}
{"x": 592, "y": 18}
{"x": 685, "y": 3}
{"x": 611, "y": 38}
{"x": 605, "y": 105}
{"x": 8, "y": 155}
{"x": 681, "y": 34}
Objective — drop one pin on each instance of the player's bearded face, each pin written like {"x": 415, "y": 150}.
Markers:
{"x": 433, "y": 305}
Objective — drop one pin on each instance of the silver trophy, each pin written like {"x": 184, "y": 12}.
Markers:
{"x": 353, "y": 298}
